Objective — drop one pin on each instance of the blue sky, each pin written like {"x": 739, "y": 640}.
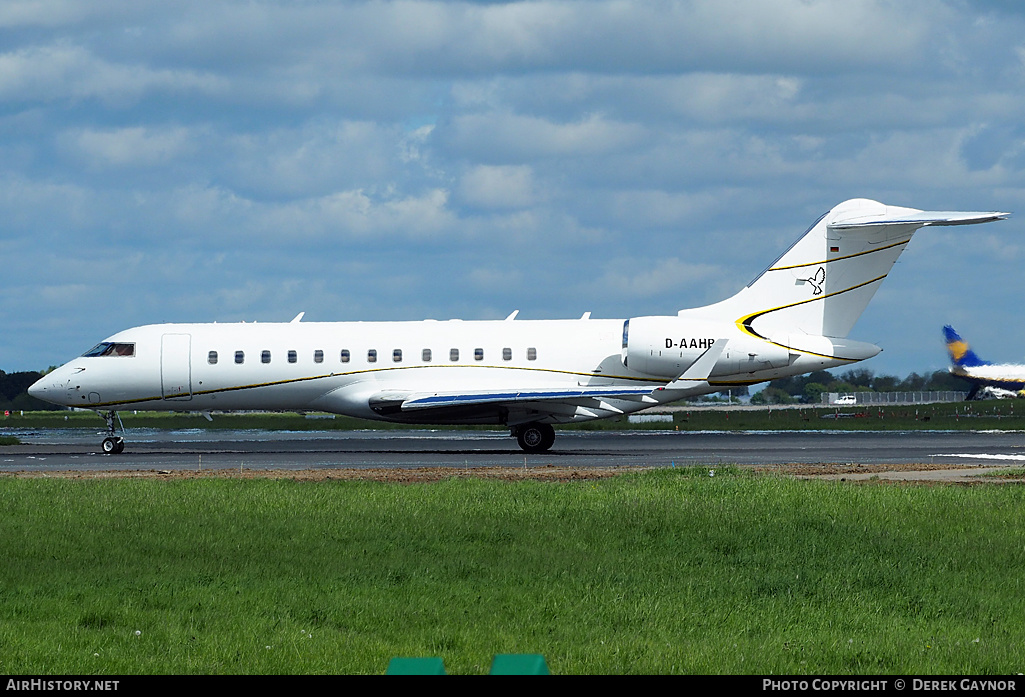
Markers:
{"x": 247, "y": 160}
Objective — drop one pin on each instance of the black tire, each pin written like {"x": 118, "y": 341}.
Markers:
{"x": 535, "y": 438}
{"x": 113, "y": 446}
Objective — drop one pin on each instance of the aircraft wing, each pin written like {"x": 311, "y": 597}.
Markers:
{"x": 539, "y": 401}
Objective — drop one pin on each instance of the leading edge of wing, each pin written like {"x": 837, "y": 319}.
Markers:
{"x": 437, "y": 400}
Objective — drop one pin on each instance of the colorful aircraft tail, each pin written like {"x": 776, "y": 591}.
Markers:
{"x": 961, "y": 354}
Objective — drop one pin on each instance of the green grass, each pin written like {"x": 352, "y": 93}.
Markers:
{"x": 667, "y": 571}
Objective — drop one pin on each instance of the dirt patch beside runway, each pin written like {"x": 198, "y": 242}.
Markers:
{"x": 919, "y": 473}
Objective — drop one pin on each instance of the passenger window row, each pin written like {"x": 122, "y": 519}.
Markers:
{"x": 426, "y": 356}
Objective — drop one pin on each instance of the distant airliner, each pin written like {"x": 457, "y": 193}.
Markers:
{"x": 1000, "y": 380}
{"x": 792, "y": 318}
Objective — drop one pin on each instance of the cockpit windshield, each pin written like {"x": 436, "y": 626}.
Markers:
{"x": 110, "y": 349}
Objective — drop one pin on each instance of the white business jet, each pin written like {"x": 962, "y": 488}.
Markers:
{"x": 793, "y": 318}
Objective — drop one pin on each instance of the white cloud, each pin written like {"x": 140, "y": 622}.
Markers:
{"x": 135, "y": 146}
{"x": 516, "y": 138}
{"x": 647, "y": 278}
{"x": 64, "y": 71}
{"x": 315, "y": 158}
{"x": 358, "y": 215}
{"x": 489, "y": 186}
{"x": 463, "y": 38}
{"x": 55, "y": 13}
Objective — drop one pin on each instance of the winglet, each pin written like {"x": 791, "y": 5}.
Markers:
{"x": 298, "y": 318}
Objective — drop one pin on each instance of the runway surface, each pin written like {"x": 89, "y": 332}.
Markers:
{"x": 78, "y": 449}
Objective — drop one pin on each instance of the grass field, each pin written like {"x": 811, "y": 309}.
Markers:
{"x": 667, "y": 571}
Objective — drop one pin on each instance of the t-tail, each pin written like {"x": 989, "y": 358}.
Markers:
{"x": 961, "y": 355}
{"x": 823, "y": 282}
{"x": 796, "y": 315}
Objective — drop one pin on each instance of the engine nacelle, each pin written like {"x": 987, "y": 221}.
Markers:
{"x": 743, "y": 356}
{"x": 666, "y": 346}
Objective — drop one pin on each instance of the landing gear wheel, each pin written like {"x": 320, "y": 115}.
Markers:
{"x": 535, "y": 438}
{"x": 114, "y": 445}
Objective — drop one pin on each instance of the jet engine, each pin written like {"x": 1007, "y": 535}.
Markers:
{"x": 666, "y": 346}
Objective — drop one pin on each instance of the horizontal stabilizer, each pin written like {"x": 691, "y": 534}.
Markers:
{"x": 921, "y": 219}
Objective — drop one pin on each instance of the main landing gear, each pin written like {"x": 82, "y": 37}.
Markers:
{"x": 113, "y": 444}
{"x": 535, "y": 437}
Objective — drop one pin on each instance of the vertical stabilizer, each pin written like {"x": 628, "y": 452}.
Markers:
{"x": 961, "y": 354}
{"x": 823, "y": 282}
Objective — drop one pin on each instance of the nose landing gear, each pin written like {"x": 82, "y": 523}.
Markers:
{"x": 113, "y": 444}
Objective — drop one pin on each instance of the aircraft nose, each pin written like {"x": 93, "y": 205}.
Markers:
{"x": 38, "y": 388}
{"x": 49, "y": 389}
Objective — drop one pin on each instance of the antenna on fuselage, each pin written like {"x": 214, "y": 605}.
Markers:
{"x": 298, "y": 318}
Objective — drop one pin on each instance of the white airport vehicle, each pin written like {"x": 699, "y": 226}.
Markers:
{"x": 792, "y": 318}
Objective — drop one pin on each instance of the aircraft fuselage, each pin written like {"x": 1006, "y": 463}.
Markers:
{"x": 339, "y": 366}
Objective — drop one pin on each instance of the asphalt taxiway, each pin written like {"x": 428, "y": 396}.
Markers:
{"x": 78, "y": 449}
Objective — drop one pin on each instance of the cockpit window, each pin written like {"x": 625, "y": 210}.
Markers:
{"x": 108, "y": 348}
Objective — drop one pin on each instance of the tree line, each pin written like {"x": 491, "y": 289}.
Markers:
{"x": 14, "y": 392}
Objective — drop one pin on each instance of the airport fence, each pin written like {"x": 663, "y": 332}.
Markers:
{"x": 843, "y": 399}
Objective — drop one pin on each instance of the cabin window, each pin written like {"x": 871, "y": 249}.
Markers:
{"x": 425, "y": 355}
{"x": 532, "y": 354}
{"x": 240, "y": 357}
{"x": 345, "y": 355}
{"x": 110, "y": 349}
{"x": 478, "y": 354}
{"x": 318, "y": 356}
{"x": 211, "y": 358}
{"x": 396, "y": 355}
{"x": 372, "y": 356}
{"x": 453, "y": 354}
{"x": 265, "y": 356}
{"x": 507, "y": 354}
{"x": 293, "y": 356}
